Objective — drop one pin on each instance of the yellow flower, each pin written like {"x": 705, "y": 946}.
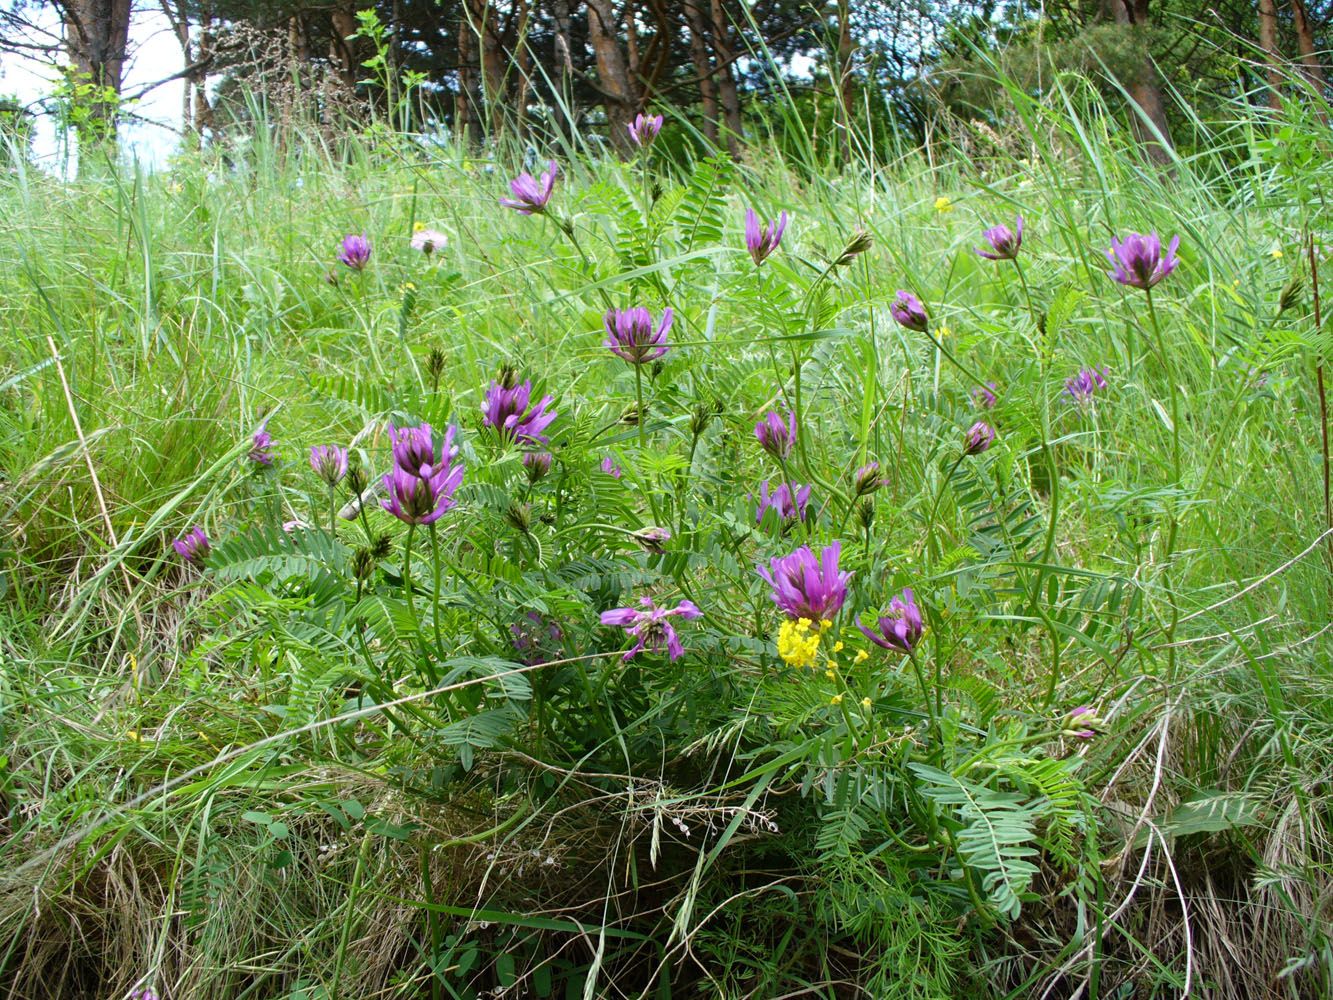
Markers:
{"x": 866, "y": 703}
{"x": 133, "y": 736}
{"x": 825, "y": 625}
{"x": 831, "y": 674}
{"x": 943, "y": 331}
{"x": 418, "y": 226}
{"x": 943, "y": 204}
{"x": 1276, "y": 253}
{"x": 837, "y": 646}
{"x": 836, "y": 699}
{"x": 861, "y": 656}
{"x": 797, "y": 645}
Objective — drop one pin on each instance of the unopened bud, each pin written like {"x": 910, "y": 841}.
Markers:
{"x": 653, "y": 539}
{"x": 860, "y": 242}
{"x": 519, "y": 516}
{"x": 865, "y": 513}
{"x": 868, "y": 479}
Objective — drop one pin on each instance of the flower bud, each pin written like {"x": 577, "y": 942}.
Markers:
{"x": 357, "y": 479}
{"x": 435, "y": 364}
{"x": 536, "y": 464}
{"x": 653, "y": 539}
{"x": 865, "y": 513}
{"x": 363, "y": 564}
{"x": 860, "y": 242}
{"x": 1291, "y": 295}
{"x": 1082, "y": 723}
{"x": 519, "y": 516}
{"x": 867, "y": 479}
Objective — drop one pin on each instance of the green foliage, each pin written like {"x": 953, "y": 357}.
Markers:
{"x": 345, "y": 757}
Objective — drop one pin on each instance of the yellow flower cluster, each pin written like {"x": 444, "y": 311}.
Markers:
{"x": 943, "y": 204}
{"x": 798, "y": 641}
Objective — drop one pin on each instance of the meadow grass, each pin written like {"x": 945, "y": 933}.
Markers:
{"x": 272, "y": 776}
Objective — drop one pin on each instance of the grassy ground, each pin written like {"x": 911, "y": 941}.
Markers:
{"x": 279, "y": 775}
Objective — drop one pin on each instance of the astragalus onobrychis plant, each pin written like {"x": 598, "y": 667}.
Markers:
{"x": 645, "y": 580}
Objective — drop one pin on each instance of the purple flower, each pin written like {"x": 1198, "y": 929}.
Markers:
{"x": 909, "y": 311}
{"x": 355, "y": 252}
{"x": 1139, "y": 261}
{"x": 780, "y": 500}
{"x": 900, "y": 627}
{"x": 329, "y": 462}
{"x": 535, "y": 638}
{"x": 610, "y": 468}
{"x": 414, "y": 449}
{"x": 261, "y": 451}
{"x": 427, "y": 241}
{"x": 643, "y": 130}
{"x": 761, "y": 241}
{"x": 805, "y": 586}
{"x": 776, "y": 436}
{"x": 417, "y": 499}
{"x": 979, "y": 438}
{"x": 147, "y": 993}
{"x": 537, "y": 464}
{"x": 1083, "y": 386}
{"x": 1004, "y": 241}
{"x": 984, "y": 396}
{"x": 508, "y": 412}
{"x": 531, "y": 196}
{"x": 193, "y": 546}
{"x": 630, "y": 334}
{"x": 651, "y": 626}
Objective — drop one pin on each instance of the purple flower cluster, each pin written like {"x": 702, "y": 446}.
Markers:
{"x": 1139, "y": 261}
{"x": 761, "y": 241}
{"x": 630, "y": 334}
{"x": 979, "y": 437}
{"x": 261, "y": 447}
{"x": 900, "y": 628}
{"x": 1004, "y": 242}
{"x": 355, "y": 252}
{"x": 421, "y": 486}
{"x": 781, "y": 500}
{"x": 909, "y": 311}
{"x": 777, "y": 436}
{"x": 507, "y": 411}
{"x": 984, "y": 396}
{"x": 808, "y": 586}
{"x": 643, "y": 130}
{"x": 329, "y": 462}
{"x": 1083, "y": 386}
{"x": 610, "y": 467}
{"x": 531, "y": 195}
{"x": 651, "y": 626}
{"x": 193, "y": 546}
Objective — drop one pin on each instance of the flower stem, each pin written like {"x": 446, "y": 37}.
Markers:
{"x": 1173, "y": 521}
{"x": 435, "y": 592}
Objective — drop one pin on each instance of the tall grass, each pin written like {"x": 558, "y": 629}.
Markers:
{"x": 264, "y": 780}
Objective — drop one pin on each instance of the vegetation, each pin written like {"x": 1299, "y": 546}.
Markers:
{"x": 319, "y": 748}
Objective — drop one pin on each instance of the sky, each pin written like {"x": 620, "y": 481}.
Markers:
{"x": 155, "y": 53}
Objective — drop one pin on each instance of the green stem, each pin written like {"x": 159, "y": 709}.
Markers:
{"x": 939, "y": 496}
{"x": 1173, "y": 522}
{"x": 435, "y": 593}
{"x": 642, "y": 418}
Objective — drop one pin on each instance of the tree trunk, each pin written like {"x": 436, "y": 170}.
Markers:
{"x": 1272, "y": 54}
{"x": 1144, "y": 93}
{"x": 467, "y": 113}
{"x": 97, "y": 38}
{"x": 703, "y": 69}
{"x": 344, "y": 50}
{"x": 524, "y": 70}
{"x": 846, "y": 84}
{"x": 613, "y": 76}
{"x": 1314, "y": 72}
{"x": 726, "y": 86}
